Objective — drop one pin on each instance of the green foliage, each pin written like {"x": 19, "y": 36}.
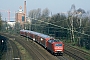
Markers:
{"x": 59, "y": 26}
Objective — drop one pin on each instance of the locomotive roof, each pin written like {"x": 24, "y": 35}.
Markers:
{"x": 51, "y": 41}
{"x": 44, "y": 36}
{"x": 33, "y": 32}
{"x": 27, "y": 31}
{"x": 40, "y": 34}
{"x": 23, "y": 30}
{"x": 36, "y": 33}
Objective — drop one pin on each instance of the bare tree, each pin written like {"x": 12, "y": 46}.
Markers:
{"x": 45, "y": 12}
{"x": 32, "y": 13}
{"x": 38, "y": 13}
{"x": 35, "y": 13}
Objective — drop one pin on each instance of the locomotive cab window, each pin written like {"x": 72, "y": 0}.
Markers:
{"x": 49, "y": 40}
{"x": 58, "y": 44}
{"x": 56, "y": 40}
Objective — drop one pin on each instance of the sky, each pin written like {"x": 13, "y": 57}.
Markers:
{"x": 55, "y": 6}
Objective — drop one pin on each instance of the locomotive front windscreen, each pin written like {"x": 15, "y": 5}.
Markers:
{"x": 58, "y": 44}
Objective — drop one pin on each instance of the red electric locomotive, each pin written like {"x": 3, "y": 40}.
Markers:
{"x": 55, "y": 46}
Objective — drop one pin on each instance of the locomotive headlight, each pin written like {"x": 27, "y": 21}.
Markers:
{"x": 58, "y": 50}
{"x": 33, "y": 39}
{"x": 2, "y": 41}
{"x": 41, "y": 39}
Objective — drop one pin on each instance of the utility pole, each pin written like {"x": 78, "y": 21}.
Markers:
{"x": 72, "y": 29}
{"x": 48, "y": 29}
{"x": 9, "y": 15}
{"x": 80, "y": 23}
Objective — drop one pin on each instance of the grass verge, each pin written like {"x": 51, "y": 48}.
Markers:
{"x": 24, "y": 53}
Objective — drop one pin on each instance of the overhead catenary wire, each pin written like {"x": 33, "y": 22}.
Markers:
{"x": 63, "y": 27}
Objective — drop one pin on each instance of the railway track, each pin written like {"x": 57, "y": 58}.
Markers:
{"x": 16, "y": 52}
{"x": 64, "y": 57}
{"x": 80, "y": 51}
{"x": 12, "y": 52}
{"x": 8, "y": 55}
{"x": 3, "y": 46}
{"x": 76, "y": 57}
{"x": 42, "y": 53}
{"x": 38, "y": 53}
{"x": 30, "y": 47}
{"x": 48, "y": 57}
{"x": 76, "y": 53}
